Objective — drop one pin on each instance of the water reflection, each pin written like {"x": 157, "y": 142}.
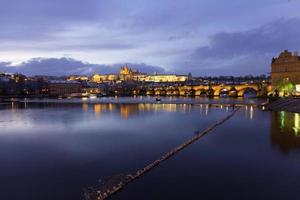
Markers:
{"x": 285, "y": 128}
{"x": 249, "y": 112}
{"x": 85, "y": 107}
{"x": 125, "y": 111}
{"x": 284, "y": 132}
{"x": 97, "y": 109}
{"x": 128, "y": 110}
{"x": 296, "y": 123}
{"x": 60, "y": 141}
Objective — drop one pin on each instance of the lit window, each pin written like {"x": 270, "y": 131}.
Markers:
{"x": 298, "y": 87}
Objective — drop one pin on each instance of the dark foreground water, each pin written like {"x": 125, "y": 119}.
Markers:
{"x": 51, "y": 151}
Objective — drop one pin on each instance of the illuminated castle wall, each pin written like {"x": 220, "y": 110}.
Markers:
{"x": 128, "y": 74}
{"x": 99, "y": 78}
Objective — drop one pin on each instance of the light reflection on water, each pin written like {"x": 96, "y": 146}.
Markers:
{"x": 52, "y": 146}
{"x": 285, "y": 129}
{"x": 289, "y": 122}
{"x": 149, "y": 99}
{"x": 296, "y": 127}
{"x": 126, "y": 110}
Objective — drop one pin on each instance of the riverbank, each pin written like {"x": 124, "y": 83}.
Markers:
{"x": 285, "y": 104}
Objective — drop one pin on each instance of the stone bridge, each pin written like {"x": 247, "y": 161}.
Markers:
{"x": 206, "y": 90}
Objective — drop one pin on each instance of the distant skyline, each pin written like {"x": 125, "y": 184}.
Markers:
{"x": 204, "y": 37}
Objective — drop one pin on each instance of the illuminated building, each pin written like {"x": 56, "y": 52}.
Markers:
{"x": 91, "y": 88}
{"x": 128, "y": 74}
{"x": 285, "y": 72}
{"x": 78, "y": 78}
{"x": 166, "y": 78}
{"x": 63, "y": 88}
{"x": 297, "y": 89}
{"x": 99, "y": 78}
{"x": 18, "y": 78}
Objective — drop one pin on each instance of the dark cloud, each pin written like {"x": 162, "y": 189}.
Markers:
{"x": 4, "y": 64}
{"x": 35, "y": 19}
{"x": 68, "y": 66}
{"x": 139, "y": 30}
{"x": 71, "y": 47}
{"x": 248, "y": 51}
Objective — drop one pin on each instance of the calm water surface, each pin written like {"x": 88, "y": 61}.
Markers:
{"x": 51, "y": 151}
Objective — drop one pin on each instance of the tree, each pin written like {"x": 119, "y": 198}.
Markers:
{"x": 285, "y": 86}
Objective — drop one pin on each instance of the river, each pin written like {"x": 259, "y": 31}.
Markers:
{"x": 52, "y": 149}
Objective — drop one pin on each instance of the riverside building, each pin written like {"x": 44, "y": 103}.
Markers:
{"x": 285, "y": 73}
{"x": 64, "y": 88}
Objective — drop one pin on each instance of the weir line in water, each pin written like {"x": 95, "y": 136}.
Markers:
{"x": 114, "y": 186}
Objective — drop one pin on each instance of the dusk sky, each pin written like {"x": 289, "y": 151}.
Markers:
{"x": 204, "y": 37}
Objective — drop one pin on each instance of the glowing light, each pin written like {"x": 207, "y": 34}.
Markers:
{"x": 285, "y": 87}
{"x": 97, "y": 109}
{"x": 85, "y": 94}
{"x": 13, "y": 106}
{"x": 85, "y": 107}
{"x": 282, "y": 119}
{"x": 251, "y": 112}
{"x": 93, "y": 96}
{"x": 111, "y": 107}
{"x": 296, "y": 123}
{"x": 298, "y": 87}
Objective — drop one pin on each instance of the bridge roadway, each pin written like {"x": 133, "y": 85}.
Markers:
{"x": 113, "y": 189}
{"x": 237, "y": 90}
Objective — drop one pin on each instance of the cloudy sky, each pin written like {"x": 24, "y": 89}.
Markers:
{"x": 204, "y": 37}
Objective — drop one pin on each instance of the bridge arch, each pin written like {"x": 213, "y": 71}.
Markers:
{"x": 201, "y": 92}
{"x": 150, "y": 92}
{"x": 233, "y": 92}
{"x": 210, "y": 92}
{"x": 219, "y": 90}
{"x": 191, "y": 92}
{"x": 160, "y": 92}
{"x": 135, "y": 92}
{"x": 246, "y": 90}
{"x": 176, "y": 92}
{"x": 143, "y": 91}
{"x": 170, "y": 91}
